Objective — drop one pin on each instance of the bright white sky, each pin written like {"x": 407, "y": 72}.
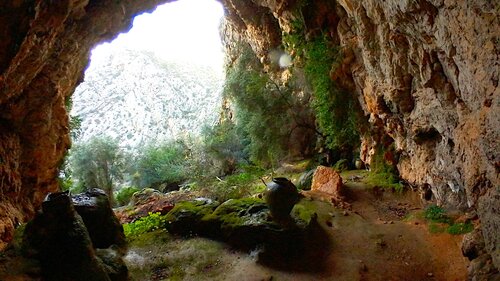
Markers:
{"x": 186, "y": 31}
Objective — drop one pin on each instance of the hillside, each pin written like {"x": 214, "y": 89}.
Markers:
{"x": 135, "y": 97}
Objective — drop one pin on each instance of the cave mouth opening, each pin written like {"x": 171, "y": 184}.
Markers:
{"x": 159, "y": 83}
{"x": 132, "y": 81}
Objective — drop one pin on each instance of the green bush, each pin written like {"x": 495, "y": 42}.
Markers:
{"x": 341, "y": 165}
{"x": 266, "y": 113}
{"x": 242, "y": 184}
{"x": 98, "y": 163}
{"x": 124, "y": 194}
{"x": 460, "y": 228}
{"x": 438, "y": 221}
{"x": 162, "y": 163}
{"x": 335, "y": 110}
{"x": 436, "y": 214}
{"x": 143, "y": 225}
{"x": 223, "y": 149}
{"x": 383, "y": 174}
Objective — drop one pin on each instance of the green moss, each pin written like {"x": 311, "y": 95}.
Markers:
{"x": 304, "y": 212}
{"x": 382, "y": 174}
{"x": 197, "y": 208}
{"x": 186, "y": 217}
{"x": 235, "y": 212}
{"x": 460, "y": 228}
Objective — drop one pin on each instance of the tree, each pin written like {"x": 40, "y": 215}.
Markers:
{"x": 162, "y": 163}
{"x": 267, "y": 113}
{"x": 98, "y": 163}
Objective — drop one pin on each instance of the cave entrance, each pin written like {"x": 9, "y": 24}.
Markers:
{"x": 155, "y": 86}
{"x": 159, "y": 80}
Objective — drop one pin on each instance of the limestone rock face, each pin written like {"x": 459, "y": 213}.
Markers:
{"x": 426, "y": 74}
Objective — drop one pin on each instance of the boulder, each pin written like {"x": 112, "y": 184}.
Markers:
{"x": 103, "y": 226}
{"x": 244, "y": 224}
{"x": 327, "y": 180}
{"x": 473, "y": 244}
{"x": 305, "y": 180}
{"x": 186, "y": 218}
{"x": 59, "y": 240}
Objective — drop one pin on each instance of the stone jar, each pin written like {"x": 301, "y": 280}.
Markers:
{"x": 281, "y": 195}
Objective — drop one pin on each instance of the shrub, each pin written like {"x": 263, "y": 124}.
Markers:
{"x": 439, "y": 219}
{"x": 223, "y": 148}
{"x": 143, "y": 225}
{"x": 436, "y": 214}
{"x": 243, "y": 184}
{"x": 335, "y": 109}
{"x": 98, "y": 163}
{"x": 266, "y": 113}
{"x": 124, "y": 194}
{"x": 460, "y": 228}
{"x": 383, "y": 174}
{"x": 341, "y": 165}
{"x": 163, "y": 163}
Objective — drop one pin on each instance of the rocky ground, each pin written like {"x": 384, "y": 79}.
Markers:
{"x": 377, "y": 234}
{"x": 380, "y": 236}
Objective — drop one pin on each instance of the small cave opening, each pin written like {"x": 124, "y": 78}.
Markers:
{"x": 427, "y": 136}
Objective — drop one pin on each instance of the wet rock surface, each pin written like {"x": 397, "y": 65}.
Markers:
{"x": 59, "y": 239}
{"x": 103, "y": 226}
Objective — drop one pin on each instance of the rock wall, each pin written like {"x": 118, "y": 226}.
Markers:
{"x": 44, "y": 49}
{"x": 426, "y": 74}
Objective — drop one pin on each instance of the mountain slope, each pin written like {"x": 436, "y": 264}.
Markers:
{"x": 135, "y": 97}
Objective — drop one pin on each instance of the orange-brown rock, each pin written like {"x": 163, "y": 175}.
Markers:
{"x": 327, "y": 180}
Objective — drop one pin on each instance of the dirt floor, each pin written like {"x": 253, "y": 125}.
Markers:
{"x": 381, "y": 237}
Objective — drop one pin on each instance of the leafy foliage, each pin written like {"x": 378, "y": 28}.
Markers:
{"x": 243, "y": 184}
{"x": 124, "y": 194}
{"x": 460, "y": 228}
{"x": 143, "y": 225}
{"x": 438, "y": 218}
{"x": 98, "y": 163}
{"x": 436, "y": 214}
{"x": 335, "y": 109}
{"x": 266, "y": 113}
{"x": 163, "y": 163}
{"x": 223, "y": 148}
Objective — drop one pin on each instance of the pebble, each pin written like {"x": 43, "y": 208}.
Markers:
{"x": 416, "y": 223}
{"x": 430, "y": 274}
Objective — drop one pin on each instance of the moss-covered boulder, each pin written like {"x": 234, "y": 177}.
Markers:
{"x": 243, "y": 223}
{"x": 186, "y": 218}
